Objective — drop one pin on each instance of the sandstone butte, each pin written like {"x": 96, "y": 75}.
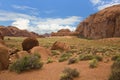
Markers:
{"x": 103, "y": 24}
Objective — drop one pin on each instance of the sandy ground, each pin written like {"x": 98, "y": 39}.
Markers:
{"x": 53, "y": 70}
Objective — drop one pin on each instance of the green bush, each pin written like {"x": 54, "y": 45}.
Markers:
{"x": 49, "y": 60}
{"x": 64, "y": 57}
{"x": 93, "y": 63}
{"x": 115, "y": 57}
{"x": 90, "y": 57}
{"x": 99, "y": 58}
{"x": 55, "y": 52}
{"x": 86, "y": 57}
{"x": 115, "y": 75}
{"x": 69, "y": 74}
{"x": 72, "y": 61}
{"x": 26, "y": 63}
{"x": 115, "y": 72}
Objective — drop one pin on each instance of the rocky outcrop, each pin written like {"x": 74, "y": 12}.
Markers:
{"x": 103, "y": 24}
{"x": 63, "y": 32}
{"x": 13, "y": 31}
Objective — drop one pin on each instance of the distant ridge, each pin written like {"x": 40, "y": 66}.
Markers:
{"x": 15, "y": 32}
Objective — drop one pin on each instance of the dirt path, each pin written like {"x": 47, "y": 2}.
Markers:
{"x": 52, "y": 71}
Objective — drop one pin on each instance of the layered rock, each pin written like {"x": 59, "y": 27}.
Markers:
{"x": 103, "y": 24}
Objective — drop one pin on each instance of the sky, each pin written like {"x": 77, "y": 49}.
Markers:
{"x": 46, "y": 16}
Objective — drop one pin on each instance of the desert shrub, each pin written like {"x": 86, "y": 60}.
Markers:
{"x": 26, "y": 63}
{"x": 90, "y": 57}
{"x": 69, "y": 74}
{"x": 72, "y": 61}
{"x": 49, "y": 60}
{"x": 73, "y": 51}
{"x": 99, "y": 58}
{"x": 93, "y": 63}
{"x": 55, "y": 52}
{"x": 115, "y": 72}
{"x": 116, "y": 64}
{"x": 86, "y": 57}
{"x": 115, "y": 75}
{"x": 115, "y": 57}
{"x": 65, "y": 57}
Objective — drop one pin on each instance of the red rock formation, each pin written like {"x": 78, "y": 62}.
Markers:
{"x": 103, "y": 24}
{"x": 13, "y": 31}
{"x": 63, "y": 32}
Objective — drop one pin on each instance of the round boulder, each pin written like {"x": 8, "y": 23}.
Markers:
{"x": 29, "y": 43}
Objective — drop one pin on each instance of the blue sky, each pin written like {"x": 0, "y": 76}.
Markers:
{"x": 45, "y": 16}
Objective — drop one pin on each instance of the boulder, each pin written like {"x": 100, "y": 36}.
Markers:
{"x": 29, "y": 43}
{"x": 43, "y": 52}
{"x": 103, "y": 24}
{"x": 60, "y": 46}
{"x": 4, "y": 57}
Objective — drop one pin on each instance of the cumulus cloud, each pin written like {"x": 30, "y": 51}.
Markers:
{"x": 38, "y": 24}
{"x": 101, "y": 4}
{"x": 21, "y": 23}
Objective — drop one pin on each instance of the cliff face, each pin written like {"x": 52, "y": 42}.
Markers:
{"x": 103, "y": 24}
{"x": 13, "y": 31}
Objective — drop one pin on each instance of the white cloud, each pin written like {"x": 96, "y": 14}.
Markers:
{"x": 101, "y": 4}
{"x": 52, "y": 25}
{"x": 31, "y": 10}
{"x": 38, "y": 24}
{"x": 95, "y": 1}
{"x": 21, "y": 23}
{"x": 23, "y": 7}
{"x": 10, "y": 16}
